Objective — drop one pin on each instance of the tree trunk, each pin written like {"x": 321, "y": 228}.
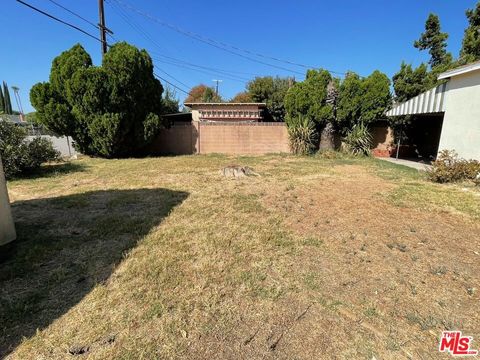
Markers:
{"x": 327, "y": 138}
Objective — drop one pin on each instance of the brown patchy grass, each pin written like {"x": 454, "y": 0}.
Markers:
{"x": 163, "y": 258}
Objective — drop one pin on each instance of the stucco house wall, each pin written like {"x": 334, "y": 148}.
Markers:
{"x": 461, "y": 124}
{"x": 7, "y": 228}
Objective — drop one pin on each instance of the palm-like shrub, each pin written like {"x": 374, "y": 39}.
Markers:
{"x": 358, "y": 140}
{"x": 302, "y": 135}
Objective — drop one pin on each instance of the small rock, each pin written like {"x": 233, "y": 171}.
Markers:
{"x": 471, "y": 291}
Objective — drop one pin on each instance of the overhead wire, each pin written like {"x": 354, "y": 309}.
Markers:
{"x": 74, "y": 14}
{"x": 221, "y": 45}
{"x": 175, "y": 61}
{"x": 142, "y": 32}
{"x": 88, "y": 34}
{"x": 58, "y": 20}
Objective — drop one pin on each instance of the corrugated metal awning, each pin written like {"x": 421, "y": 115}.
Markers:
{"x": 429, "y": 102}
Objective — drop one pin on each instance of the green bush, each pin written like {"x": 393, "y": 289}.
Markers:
{"x": 112, "y": 110}
{"x": 302, "y": 135}
{"x": 358, "y": 140}
{"x": 450, "y": 168}
{"x": 20, "y": 156}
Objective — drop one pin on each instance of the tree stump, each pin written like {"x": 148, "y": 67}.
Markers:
{"x": 237, "y": 171}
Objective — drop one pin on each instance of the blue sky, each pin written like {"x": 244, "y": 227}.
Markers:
{"x": 338, "y": 35}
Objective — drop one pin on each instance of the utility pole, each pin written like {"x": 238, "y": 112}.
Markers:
{"x": 103, "y": 28}
{"x": 216, "y": 86}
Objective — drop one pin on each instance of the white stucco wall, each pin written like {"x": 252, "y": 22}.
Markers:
{"x": 461, "y": 124}
{"x": 7, "y": 228}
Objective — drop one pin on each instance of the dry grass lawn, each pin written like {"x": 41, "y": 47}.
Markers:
{"x": 162, "y": 258}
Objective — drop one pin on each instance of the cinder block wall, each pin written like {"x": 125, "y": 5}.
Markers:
{"x": 7, "y": 228}
{"x": 180, "y": 139}
{"x": 238, "y": 138}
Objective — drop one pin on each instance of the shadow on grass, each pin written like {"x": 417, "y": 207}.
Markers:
{"x": 67, "y": 245}
{"x": 53, "y": 169}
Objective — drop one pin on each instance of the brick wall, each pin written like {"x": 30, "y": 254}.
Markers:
{"x": 246, "y": 138}
{"x": 382, "y": 136}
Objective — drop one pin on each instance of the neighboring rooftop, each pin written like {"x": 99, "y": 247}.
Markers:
{"x": 460, "y": 70}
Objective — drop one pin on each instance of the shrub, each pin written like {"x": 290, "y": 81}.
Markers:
{"x": 22, "y": 156}
{"x": 450, "y": 168}
{"x": 302, "y": 135}
{"x": 112, "y": 110}
{"x": 358, "y": 140}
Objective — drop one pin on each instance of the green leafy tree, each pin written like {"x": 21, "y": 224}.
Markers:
{"x": 376, "y": 98}
{"x": 408, "y": 82}
{"x": 50, "y": 98}
{"x": 170, "y": 102}
{"x": 434, "y": 41}
{"x": 272, "y": 91}
{"x": 471, "y": 41}
{"x": 350, "y": 101}
{"x": 112, "y": 110}
{"x": 210, "y": 96}
{"x": 309, "y": 99}
{"x": 363, "y": 100}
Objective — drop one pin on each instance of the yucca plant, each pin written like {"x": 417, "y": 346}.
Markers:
{"x": 358, "y": 140}
{"x": 302, "y": 135}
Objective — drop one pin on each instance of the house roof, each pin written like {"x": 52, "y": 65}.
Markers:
{"x": 190, "y": 104}
{"x": 460, "y": 70}
{"x": 429, "y": 102}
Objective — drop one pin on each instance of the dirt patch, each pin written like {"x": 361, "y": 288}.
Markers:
{"x": 395, "y": 269}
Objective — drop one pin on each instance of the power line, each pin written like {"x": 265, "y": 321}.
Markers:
{"x": 138, "y": 28}
{"x": 174, "y": 78}
{"x": 59, "y": 20}
{"x": 169, "y": 83}
{"x": 232, "y": 72}
{"x": 216, "y": 73}
{"x": 119, "y": 10}
{"x": 198, "y": 38}
{"x": 74, "y": 13}
{"x": 221, "y": 45}
{"x": 90, "y": 35}
{"x": 176, "y": 62}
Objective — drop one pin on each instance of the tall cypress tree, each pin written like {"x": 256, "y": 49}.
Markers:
{"x": 434, "y": 41}
{"x": 7, "y": 99}
{"x": 471, "y": 41}
{"x": 2, "y": 102}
